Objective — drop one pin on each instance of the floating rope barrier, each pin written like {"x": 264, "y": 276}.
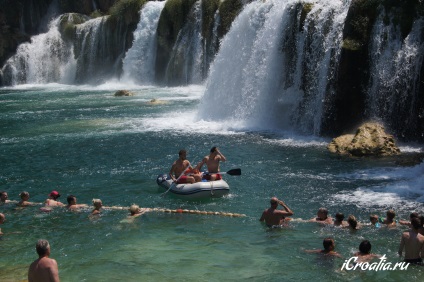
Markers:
{"x": 198, "y": 212}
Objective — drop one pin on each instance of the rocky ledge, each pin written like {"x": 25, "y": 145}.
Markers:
{"x": 370, "y": 139}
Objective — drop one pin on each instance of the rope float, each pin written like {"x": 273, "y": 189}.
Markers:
{"x": 198, "y": 212}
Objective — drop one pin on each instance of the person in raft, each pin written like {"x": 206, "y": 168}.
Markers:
{"x": 212, "y": 163}
{"x": 274, "y": 217}
{"x": 52, "y": 200}
{"x": 182, "y": 170}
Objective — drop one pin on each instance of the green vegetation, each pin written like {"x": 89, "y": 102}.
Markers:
{"x": 127, "y": 10}
{"x": 228, "y": 10}
{"x": 209, "y": 9}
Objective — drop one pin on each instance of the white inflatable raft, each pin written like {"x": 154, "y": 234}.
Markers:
{"x": 203, "y": 189}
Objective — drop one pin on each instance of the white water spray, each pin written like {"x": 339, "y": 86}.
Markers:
{"x": 273, "y": 74}
{"x": 139, "y": 62}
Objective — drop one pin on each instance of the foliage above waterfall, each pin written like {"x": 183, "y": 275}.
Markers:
{"x": 228, "y": 11}
{"x": 127, "y": 10}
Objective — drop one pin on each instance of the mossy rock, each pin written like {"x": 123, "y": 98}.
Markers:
{"x": 68, "y": 22}
{"x": 127, "y": 10}
{"x": 123, "y": 93}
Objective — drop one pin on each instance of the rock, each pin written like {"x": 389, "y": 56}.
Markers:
{"x": 157, "y": 102}
{"x": 120, "y": 93}
{"x": 370, "y": 140}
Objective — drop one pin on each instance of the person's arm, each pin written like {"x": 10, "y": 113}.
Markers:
{"x": 54, "y": 272}
{"x": 200, "y": 164}
{"x": 263, "y": 216}
{"x": 401, "y": 245}
{"x": 223, "y": 158}
{"x": 288, "y": 211}
{"x": 171, "y": 172}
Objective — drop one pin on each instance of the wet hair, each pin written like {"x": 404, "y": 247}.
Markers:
{"x": 391, "y": 214}
{"x": 182, "y": 151}
{"x": 327, "y": 243}
{"x": 324, "y": 211}
{"x": 97, "y": 202}
{"x": 70, "y": 198}
{"x": 134, "y": 209}
{"x": 42, "y": 247}
{"x": 365, "y": 247}
{"x": 414, "y": 215}
{"x": 24, "y": 194}
{"x": 373, "y": 217}
{"x": 416, "y": 223}
{"x": 352, "y": 221}
{"x": 213, "y": 149}
{"x": 339, "y": 216}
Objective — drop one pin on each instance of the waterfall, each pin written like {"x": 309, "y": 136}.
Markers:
{"x": 47, "y": 58}
{"x": 139, "y": 61}
{"x": 276, "y": 65}
{"x": 395, "y": 73}
{"x": 185, "y": 64}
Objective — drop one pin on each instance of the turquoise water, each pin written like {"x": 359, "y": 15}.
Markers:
{"x": 86, "y": 142}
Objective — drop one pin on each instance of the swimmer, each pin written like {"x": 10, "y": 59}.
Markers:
{"x": 43, "y": 268}
{"x": 364, "y": 254}
{"x": 322, "y": 217}
{"x": 339, "y": 220}
{"x": 72, "y": 203}
{"x": 353, "y": 223}
{"x": 97, "y": 203}
{"x": 4, "y": 198}
{"x": 389, "y": 221}
{"x": 135, "y": 210}
{"x": 329, "y": 246}
{"x": 52, "y": 200}
{"x": 24, "y": 200}
{"x": 413, "y": 243}
{"x": 273, "y": 216}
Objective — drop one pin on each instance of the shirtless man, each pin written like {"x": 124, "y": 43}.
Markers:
{"x": 43, "y": 269}
{"x": 179, "y": 167}
{"x": 413, "y": 242}
{"x": 52, "y": 200}
{"x": 328, "y": 250}
{"x": 389, "y": 221}
{"x": 322, "y": 217}
{"x": 72, "y": 203}
{"x": 364, "y": 254}
{"x": 24, "y": 200}
{"x": 340, "y": 220}
{"x": 212, "y": 163}
{"x": 273, "y": 216}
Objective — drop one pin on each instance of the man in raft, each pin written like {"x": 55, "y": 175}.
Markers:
{"x": 274, "y": 217}
{"x": 181, "y": 169}
{"x": 212, "y": 163}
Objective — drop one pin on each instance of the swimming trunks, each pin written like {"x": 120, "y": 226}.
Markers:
{"x": 208, "y": 177}
{"x": 418, "y": 261}
{"x": 182, "y": 179}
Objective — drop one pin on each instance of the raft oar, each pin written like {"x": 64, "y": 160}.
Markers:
{"x": 234, "y": 171}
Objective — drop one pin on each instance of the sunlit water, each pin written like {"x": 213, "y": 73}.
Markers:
{"x": 86, "y": 142}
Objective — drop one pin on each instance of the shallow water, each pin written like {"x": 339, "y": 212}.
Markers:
{"x": 84, "y": 141}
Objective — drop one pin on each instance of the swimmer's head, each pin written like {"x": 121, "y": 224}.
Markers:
{"x": 365, "y": 247}
{"x": 97, "y": 203}
{"x": 134, "y": 209}
{"x": 328, "y": 244}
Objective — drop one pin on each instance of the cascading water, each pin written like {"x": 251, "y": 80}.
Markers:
{"x": 139, "y": 61}
{"x": 185, "y": 64}
{"x": 272, "y": 73}
{"x": 47, "y": 58}
{"x": 395, "y": 73}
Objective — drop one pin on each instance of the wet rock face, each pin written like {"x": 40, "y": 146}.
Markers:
{"x": 369, "y": 140}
